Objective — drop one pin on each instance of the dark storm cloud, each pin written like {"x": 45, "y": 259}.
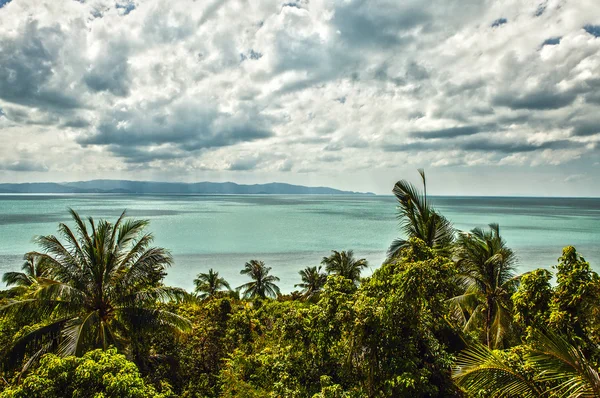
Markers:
{"x": 23, "y": 166}
{"x": 452, "y": 132}
{"x": 536, "y": 100}
{"x": 27, "y": 67}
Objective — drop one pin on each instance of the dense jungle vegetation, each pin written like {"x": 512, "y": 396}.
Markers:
{"x": 446, "y": 315}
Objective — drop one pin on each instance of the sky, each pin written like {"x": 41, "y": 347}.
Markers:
{"x": 494, "y": 97}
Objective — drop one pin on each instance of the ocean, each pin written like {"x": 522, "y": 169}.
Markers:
{"x": 290, "y": 232}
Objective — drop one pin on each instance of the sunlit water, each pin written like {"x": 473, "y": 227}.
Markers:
{"x": 291, "y": 232}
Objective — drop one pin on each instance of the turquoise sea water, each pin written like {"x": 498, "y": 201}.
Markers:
{"x": 291, "y": 232}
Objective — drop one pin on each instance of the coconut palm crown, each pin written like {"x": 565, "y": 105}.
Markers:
{"x": 34, "y": 267}
{"x": 262, "y": 285}
{"x": 208, "y": 284}
{"x": 344, "y": 264}
{"x": 103, "y": 287}
{"x": 418, "y": 219}
{"x": 487, "y": 272}
{"x": 313, "y": 281}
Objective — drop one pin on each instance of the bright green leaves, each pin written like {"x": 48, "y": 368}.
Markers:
{"x": 97, "y": 374}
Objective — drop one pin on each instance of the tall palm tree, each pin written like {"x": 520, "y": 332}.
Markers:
{"x": 486, "y": 271}
{"x": 418, "y": 219}
{"x": 105, "y": 289}
{"x": 553, "y": 367}
{"x": 313, "y": 281}
{"x": 207, "y": 285}
{"x": 262, "y": 285}
{"x": 344, "y": 264}
{"x": 33, "y": 267}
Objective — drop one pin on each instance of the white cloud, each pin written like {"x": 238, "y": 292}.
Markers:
{"x": 318, "y": 88}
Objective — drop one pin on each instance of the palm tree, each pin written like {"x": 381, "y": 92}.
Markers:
{"x": 262, "y": 285}
{"x": 312, "y": 281}
{"x": 344, "y": 264}
{"x": 207, "y": 285}
{"x": 419, "y": 220}
{"x": 552, "y": 367}
{"x": 33, "y": 268}
{"x": 104, "y": 290}
{"x": 486, "y": 271}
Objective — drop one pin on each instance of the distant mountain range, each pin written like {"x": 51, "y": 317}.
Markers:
{"x": 150, "y": 187}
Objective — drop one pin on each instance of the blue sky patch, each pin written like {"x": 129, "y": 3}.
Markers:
{"x": 593, "y": 30}
{"x": 551, "y": 41}
{"x": 127, "y": 7}
{"x": 498, "y": 22}
{"x": 4, "y": 2}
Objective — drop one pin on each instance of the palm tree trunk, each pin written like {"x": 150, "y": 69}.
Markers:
{"x": 488, "y": 322}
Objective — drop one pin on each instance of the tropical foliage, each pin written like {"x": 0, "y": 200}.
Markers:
{"x": 344, "y": 264}
{"x": 262, "y": 285}
{"x": 97, "y": 374}
{"x": 208, "y": 284}
{"x": 313, "y": 281}
{"x": 487, "y": 274}
{"x": 446, "y": 315}
{"x": 418, "y": 219}
{"x": 101, "y": 288}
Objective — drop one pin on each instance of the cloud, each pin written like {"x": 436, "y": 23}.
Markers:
{"x": 27, "y": 68}
{"x": 490, "y": 145}
{"x": 22, "y": 166}
{"x": 574, "y": 177}
{"x": 361, "y": 24}
{"x": 535, "y": 100}
{"x": 244, "y": 164}
{"x": 184, "y": 126}
{"x": 452, "y": 132}
{"x": 109, "y": 70}
{"x": 327, "y": 88}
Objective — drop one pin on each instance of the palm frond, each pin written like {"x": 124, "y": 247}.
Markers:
{"x": 480, "y": 370}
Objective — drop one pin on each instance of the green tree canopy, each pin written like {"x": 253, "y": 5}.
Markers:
{"x": 104, "y": 289}
{"x": 97, "y": 374}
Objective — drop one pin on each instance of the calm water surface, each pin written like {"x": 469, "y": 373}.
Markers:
{"x": 291, "y": 232}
